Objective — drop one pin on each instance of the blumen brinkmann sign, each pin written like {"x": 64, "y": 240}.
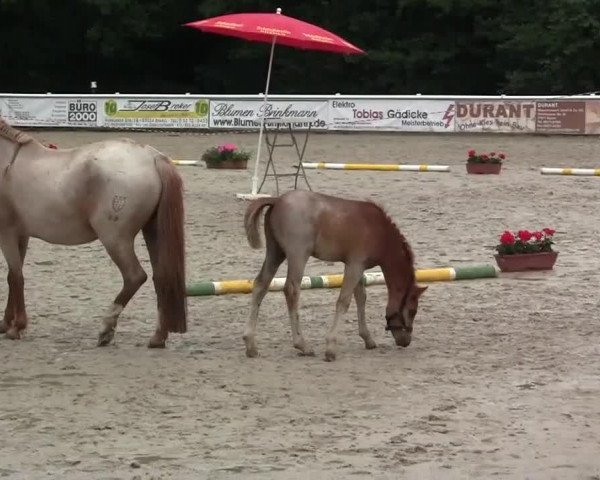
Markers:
{"x": 247, "y": 114}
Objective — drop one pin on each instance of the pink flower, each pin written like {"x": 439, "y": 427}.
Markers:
{"x": 228, "y": 147}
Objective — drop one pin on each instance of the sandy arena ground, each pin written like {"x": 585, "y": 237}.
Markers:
{"x": 501, "y": 380}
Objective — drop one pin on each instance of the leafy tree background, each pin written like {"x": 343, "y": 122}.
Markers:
{"x": 427, "y": 46}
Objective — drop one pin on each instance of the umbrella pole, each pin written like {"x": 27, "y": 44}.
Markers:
{"x": 262, "y": 122}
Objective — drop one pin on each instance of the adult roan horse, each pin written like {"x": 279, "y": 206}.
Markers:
{"x": 301, "y": 224}
{"x": 107, "y": 190}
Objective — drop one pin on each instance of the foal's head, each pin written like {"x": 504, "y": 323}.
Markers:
{"x": 404, "y": 293}
{"x": 400, "y": 322}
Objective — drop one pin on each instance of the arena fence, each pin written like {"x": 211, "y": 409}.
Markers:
{"x": 362, "y": 113}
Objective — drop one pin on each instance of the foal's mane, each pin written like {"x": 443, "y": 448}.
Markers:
{"x": 400, "y": 239}
{"x": 13, "y": 134}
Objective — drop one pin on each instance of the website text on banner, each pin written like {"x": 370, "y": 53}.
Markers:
{"x": 246, "y": 114}
{"x": 392, "y": 115}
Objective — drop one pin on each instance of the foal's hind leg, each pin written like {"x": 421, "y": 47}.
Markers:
{"x": 9, "y": 312}
{"x": 273, "y": 259}
{"x": 352, "y": 275}
{"x": 291, "y": 289}
{"x": 122, "y": 252}
{"x": 360, "y": 295}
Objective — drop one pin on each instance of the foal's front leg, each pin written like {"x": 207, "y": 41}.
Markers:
{"x": 360, "y": 295}
{"x": 352, "y": 276}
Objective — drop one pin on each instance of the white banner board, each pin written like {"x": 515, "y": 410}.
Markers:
{"x": 155, "y": 113}
{"x": 392, "y": 115}
{"x": 247, "y": 114}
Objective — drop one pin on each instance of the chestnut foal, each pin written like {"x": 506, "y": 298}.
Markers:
{"x": 301, "y": 224}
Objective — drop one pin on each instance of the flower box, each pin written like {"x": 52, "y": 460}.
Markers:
{"x": 526, "y": 251}
{"x": 226, "y": 156}
{"x": 484, "y": 163}
{"x": 520, "y": 262}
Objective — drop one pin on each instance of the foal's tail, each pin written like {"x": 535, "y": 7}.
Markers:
{"x": 252, "y": 216}
{"x": 170, "y": 269}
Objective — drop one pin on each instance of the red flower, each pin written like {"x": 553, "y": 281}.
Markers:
{"x": 485, "y": 157}
{"x": 524, "y": 235}
{"x": 471, "y": 153}
{"x": 507, "y": 238}
{"x": 502, "y": 156}
{"x": 549, "y": 231}
{"x": 493, "y": 154}
{"x": 538, "y": 235}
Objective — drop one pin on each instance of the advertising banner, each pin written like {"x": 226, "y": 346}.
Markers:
{"x": 392, "y": 115}
{"x": 247, "y": 114}
{"x": 592, "y": 117}
{"x": 560, "y": 117}
{"x": 515, "y": 116}
{"x": 49, "y": 112}
{"x": 155, "y": 113}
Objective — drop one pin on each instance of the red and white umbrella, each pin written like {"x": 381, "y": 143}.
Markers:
{"x": 274, "y": 28}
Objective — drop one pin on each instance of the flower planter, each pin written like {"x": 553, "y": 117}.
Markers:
{"x": 484, "y": 168}
{"x": 228, "y": 164}
{"x": 226, "y": 156}
{"x": 518, "y": 262}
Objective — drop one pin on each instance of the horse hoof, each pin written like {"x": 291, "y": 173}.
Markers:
{"x": 307, "y": 352}
{"x": 3, "y": 328}
{"x": 252, "y": 352}
{"x": 105, "y": 338}
{"x": 370, "y": 345}
{"x": 155, "y": 342}
{"x": 329, "y": 356}
{"x": 13, "y": 334}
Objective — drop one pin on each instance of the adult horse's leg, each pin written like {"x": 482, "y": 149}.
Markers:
{"x": 291, "y": 290}
{"x": 165, "y": 239}
{"x": 9, "y": 312}
{"x": 150, "y": 233}
{"x": 360, "y": 295}
{"x": 352, "y": 276}
{"x": 15, "y": 315}
{"x": 274, "y": 257}
{"x": 151, "y": 238}
{"x": 122, "y": 253}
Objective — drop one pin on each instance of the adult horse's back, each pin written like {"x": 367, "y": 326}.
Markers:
{"x": 108, "y": 190}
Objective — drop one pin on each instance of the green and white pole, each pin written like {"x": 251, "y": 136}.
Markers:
{"x": 446, "y": 274}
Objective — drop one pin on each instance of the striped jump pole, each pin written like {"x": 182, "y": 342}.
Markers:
{"x": 373, "y": 166}
{"x": 335, "y": 281}
{"x": 583, "y": 172}
{"x": 186, "y": 163}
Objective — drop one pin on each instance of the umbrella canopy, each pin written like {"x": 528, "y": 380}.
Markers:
{"x": 273, "y": 28}
{"x": 263, "y": 27}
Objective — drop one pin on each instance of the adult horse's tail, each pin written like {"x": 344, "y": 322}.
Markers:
{"x": 169, "y": 274}
{"x": 252, "y": 216}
